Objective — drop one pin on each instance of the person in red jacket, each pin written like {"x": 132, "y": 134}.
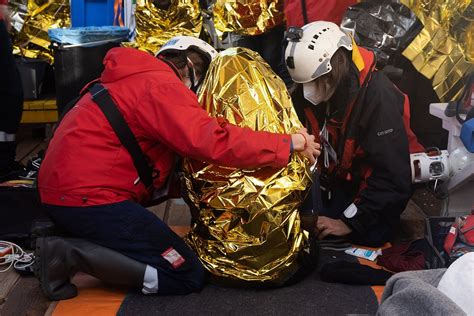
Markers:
{"x": 11, "y": 98}
{"x": 302, "y": 12}
{"x": 362, "y": 120}
{"x": 90, "y": 187}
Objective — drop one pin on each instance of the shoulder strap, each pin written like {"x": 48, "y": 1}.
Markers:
{"x": 304, "y": 12}
{"x": 313, "y": 126}
{"x": 316, "y": 199}
{"x": 102, "y": 98}
{"x": 73, "y": 102}
{"x": 67, "y": 108}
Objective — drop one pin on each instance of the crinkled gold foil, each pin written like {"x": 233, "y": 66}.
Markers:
{"x": 249, "y": 226}
{"x": 156, "y": 26}
{"x": 444, "y": 50}
{"x": 247, "y": 17}
{"x": 33, "y": 41}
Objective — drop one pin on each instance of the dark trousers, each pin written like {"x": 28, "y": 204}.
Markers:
{"x": 134, "y": 231}
{"x": 11, "y": 99}
{"x": 270, "y": 46}
{"x": 11, "y": 90}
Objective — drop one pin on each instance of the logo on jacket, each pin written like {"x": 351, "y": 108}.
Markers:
{"x": 385, "y": 132}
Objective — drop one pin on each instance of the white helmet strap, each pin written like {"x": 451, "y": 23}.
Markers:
{"x": 293, "y": 35}
{"x": 195, "y": 82}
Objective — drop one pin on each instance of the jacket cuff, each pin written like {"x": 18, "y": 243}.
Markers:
{"x": 350, "y": 218}
{"x": 282, "y": 153}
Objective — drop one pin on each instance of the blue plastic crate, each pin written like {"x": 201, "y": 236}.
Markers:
{"x": 92, "y": 12}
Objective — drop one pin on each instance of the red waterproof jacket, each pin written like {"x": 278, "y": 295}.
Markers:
{"x": 301, "y": 12}
{"x": 85, "y": 163}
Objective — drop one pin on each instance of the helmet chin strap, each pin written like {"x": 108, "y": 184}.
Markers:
{"x": 194, "y": 86}
{"x": 192, "y": 76}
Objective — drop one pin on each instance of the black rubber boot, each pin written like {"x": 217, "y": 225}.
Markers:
{"x": 58, "y": 259}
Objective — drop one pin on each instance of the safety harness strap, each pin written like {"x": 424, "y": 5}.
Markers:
{"x": 102, "y": 98}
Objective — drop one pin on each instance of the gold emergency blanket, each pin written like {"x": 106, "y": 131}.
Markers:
{"x": 156, "y": 26}
{"x": 444, "y": 50}
{"x": 248, "y": 226}
{"x": 32, "y": 41}
{"x": 247, "y": 17}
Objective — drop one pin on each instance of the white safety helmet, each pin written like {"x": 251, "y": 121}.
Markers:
{"x": 310, "y": 49}
{"x": 183, "y": 43}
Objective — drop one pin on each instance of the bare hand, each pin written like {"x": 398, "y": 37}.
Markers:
{"x": 328, "y": 226}
{"x": 306, "y": 145}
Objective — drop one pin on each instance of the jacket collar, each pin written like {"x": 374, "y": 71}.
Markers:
{"x": 363, "y": 59}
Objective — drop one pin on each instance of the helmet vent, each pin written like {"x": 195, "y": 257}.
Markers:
{"x": 311, "y": 47}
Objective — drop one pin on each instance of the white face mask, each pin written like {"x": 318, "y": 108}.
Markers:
{"x": 186, "y": 75}
{"x": 311, "y": 94}
{"x": 187, "y": 82}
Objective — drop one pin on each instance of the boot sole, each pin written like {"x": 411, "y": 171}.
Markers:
{"x": 37, "y": 267}
{"x": 38, "y": 270}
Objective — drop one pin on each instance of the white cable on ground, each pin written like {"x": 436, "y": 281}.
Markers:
{"x": 16, "y": 258}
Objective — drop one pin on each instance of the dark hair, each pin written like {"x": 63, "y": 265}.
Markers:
{"x": 177, "y": 58}
{"x": 328, "y": 83}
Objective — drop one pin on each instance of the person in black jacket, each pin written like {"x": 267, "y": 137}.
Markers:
{"x": 363, "y": 123}
{"x": 11, "y": 101}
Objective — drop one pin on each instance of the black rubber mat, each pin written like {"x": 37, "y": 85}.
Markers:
{"x": 310, "y": 296}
